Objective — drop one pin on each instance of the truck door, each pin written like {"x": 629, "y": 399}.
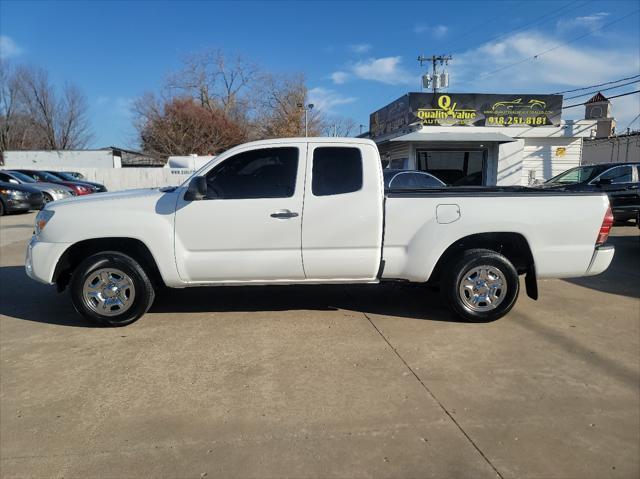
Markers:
{"x": 248, "y": 228}
{"x": 343, "y": 212}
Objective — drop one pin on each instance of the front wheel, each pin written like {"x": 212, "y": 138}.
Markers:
{"x": 111, "y": 289}
{"x": 481, "y": 285}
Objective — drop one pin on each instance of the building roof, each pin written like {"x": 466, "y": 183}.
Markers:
{"x": 597, "y": 98}
{"x": 463, "y": 134}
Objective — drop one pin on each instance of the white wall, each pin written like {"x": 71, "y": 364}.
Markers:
{"x": 542, "y": 157}
{"x": 509, "y": 166}
{"x": 62, "y": 159}
{"x": 116, "y": 179}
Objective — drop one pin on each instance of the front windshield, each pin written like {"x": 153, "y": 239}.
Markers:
{"x": 580, "y": 174}
{"x": 43, "y": 175}
{"x": 22, "y": 177}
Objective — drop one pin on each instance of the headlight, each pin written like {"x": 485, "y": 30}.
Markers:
{"x": 43, "y": 217}
{"x": 62, "y": 192}
{"x": 13, "y": 193}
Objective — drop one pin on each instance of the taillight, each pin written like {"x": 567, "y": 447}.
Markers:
{"x": 605, "y": 229}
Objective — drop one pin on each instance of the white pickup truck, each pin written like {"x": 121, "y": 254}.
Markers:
{"x": 311, "y": 211}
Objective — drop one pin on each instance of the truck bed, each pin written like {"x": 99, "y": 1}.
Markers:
{"x": 560, "y": 227}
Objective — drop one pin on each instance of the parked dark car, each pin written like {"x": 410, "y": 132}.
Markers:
{"x": 79, "y": 187}
{"x": 621, "y": 182}
{"x": 76, "y": 175}
{"x": 14, "y": 198}
{"x": 63, "y": 175}
{"x": 51, "y": 191}
{"x": 409, "y": 180}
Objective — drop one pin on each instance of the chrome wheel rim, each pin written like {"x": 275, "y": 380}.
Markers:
{"x": 483, "y": 288}
{"x": 108, "y": 292}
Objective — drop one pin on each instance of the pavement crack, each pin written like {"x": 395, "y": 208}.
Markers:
{"x": 433, "y": 396}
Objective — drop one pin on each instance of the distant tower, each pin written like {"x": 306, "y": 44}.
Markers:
{"x": 599, "y": 108}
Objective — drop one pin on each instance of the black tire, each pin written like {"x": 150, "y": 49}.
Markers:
{"x": 2, "y": 208}
{"x": 143, "y": 292}
{"x": 457, "y": 272}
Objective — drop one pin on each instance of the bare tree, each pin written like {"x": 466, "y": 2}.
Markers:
{"x": 252, "y": 103}
{"x": 60, "y": 122}
{"x": 17, "y": 130}
{"x": 73, "y": 123}
{"x": 181, "y": 126}
{"x": 216, "y": 81}
{"x": 339, "y": 126}
{"x": 281, "y": 109}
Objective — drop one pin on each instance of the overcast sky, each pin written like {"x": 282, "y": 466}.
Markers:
{"x": 357, "y": 56}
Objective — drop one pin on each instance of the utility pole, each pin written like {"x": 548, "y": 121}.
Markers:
{"x": 307, "y": 109}
{"x": 626, "y": 156}
{"x": 435, "y": 60}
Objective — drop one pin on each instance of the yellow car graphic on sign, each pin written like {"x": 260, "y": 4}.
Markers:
{"x": 509, "y": 105}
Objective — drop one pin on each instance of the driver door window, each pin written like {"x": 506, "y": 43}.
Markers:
{"x": 266, "y": 173}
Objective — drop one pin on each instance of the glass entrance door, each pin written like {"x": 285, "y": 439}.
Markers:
{"x": 454, "y": 167}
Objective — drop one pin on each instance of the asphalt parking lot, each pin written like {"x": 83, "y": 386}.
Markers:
{"x": 322, "y": 381}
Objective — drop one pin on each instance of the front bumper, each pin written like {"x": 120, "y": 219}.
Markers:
{"x": 23, "y": 203}
{"x": 42, "y": 258}
{"x": 601, "y": 259}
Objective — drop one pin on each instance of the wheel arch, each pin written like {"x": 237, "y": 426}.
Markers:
{"x": 77, "y": 252}
{"x": 514, "y": 246}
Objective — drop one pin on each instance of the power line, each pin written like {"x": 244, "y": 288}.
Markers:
{"x": 552, "y": 14}
{"x": 610, "y": 98}
{"x": 595, "y": 86}
{"x": 632, "y": 121}
{"x": 603, "y": 89}
{"x": 538, "y": 55}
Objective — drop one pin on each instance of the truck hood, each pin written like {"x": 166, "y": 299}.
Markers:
{"x": 117, "y": 198}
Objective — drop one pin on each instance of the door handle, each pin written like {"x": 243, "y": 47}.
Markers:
{"x": 284, "y": 214}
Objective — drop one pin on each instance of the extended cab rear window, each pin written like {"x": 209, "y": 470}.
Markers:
{"x": 336, "y": 170}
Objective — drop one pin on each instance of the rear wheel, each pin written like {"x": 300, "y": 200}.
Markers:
{"x": 111, "y": 289}
{"x": 481, "y": 285}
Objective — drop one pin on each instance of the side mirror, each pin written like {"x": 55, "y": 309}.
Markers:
{"x": 604, "y": 181}
{"x": 197, "y": 189}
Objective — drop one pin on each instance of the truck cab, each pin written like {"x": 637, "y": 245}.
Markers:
{"x": 259, "y": 194}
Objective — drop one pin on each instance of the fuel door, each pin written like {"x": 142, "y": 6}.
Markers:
{"x": 446, "y": 214}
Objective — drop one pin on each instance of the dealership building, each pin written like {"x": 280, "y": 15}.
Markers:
{"x": 480, "y": 139}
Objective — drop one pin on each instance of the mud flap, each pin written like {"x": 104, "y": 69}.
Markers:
{"x": 531, "y": 282}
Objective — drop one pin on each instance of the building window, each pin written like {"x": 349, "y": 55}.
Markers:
{"x": 454, "y": 167}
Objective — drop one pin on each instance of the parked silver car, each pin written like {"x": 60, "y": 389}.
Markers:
{"x": 51, "y": 191}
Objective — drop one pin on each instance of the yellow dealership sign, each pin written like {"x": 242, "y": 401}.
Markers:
{"x": 466, "y": 109}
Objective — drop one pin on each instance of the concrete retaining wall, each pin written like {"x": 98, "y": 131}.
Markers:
{"x": 116, "y": 179}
